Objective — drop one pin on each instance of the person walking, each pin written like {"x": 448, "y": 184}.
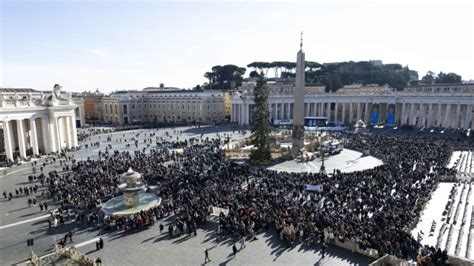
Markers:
{"x": 242, "y": 242}
{"x": 323, "y": 249}
{"x": 206, "y": 254}
{"x": 161, "y": 227}
{"x": 101, "y": 243}
{"x": 234, "y": 250}
{"x": 70, "y": 236}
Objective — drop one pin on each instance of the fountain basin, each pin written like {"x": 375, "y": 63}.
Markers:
{"x": 117, "y": 205}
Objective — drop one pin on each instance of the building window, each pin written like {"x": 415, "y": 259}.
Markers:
{"x": 124, "y": 109}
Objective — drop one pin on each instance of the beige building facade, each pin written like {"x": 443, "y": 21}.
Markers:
{"x": 159, "y": 105}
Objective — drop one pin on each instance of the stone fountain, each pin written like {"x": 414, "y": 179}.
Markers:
{"x": 134, "y": 198}
{"x": 132, "y": 188}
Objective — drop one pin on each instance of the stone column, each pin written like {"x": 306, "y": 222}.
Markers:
{"x": 403, "y": 120}
{"x": 57, "y": 133}
{"x": 411, "y": 115}
{"x": 351, "y": 115}
{"x": 447, "y": 119}
{"x": 321, "y": 109}
{"x": 21, "y": 138}
{"x": 274, "y": 111}
{"x": 282, "y": 111}
{"x": 313, "y": 109}
{"x": 465, "y": 120}
{"x": 48, "y": 141}
{"x": 468, "y": 116}
{"x": 74, "y": 141}
{"x": 234, "y": 112}
{"x": 68, "y": 136}
{"x": 438, "y": 116}
{"x": 463, "y": 116}
{"x": 244, "y": 114}
{"x": 430, "y": 115}
{"x": 237, "y": 113}
{"x": 34, "y": 137}
{"x": 288, "y": 110}
{"x": 358, "y": 116}
{"x": 291, "y": 106}
{"x": 328, "y": 110}
{"x": 278, "y": 110}
{"x": 335, "y": 112}
{"x": 366, "y": 112}
{"x": 458, "y": 116}
{"x": 421, "y": 115}
{"x": 7, "y": 139}
{"x": 343, "y": 112}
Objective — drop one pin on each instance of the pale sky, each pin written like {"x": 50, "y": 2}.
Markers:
{"x": 110, "y": 45}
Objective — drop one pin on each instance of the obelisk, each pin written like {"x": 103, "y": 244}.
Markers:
{"x": 298, "y": 106}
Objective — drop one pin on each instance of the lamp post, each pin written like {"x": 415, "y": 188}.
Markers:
{"x": 322, "y": 170}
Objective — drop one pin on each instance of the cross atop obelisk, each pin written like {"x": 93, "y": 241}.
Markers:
{"x": 301, "y": 41}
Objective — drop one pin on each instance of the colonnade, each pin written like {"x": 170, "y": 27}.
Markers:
{"x": 444, "y": 114}
{"x": 42, "y": 135}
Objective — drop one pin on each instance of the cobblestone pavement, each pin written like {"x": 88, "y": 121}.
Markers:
{"x": 18, "y": 222}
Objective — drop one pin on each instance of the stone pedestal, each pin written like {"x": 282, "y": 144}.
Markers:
{"x": 132, "y": 189}
{"x": 297, "y": 140}
{"x": 131, "y": 198}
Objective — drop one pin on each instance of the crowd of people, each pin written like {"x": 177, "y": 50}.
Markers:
{"x": 374, "y": 208}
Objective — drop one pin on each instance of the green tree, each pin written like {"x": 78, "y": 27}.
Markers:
{"x": 429, "y": 78}
{"x": 260, "y": 125}
{"x": 223, "y": 77}
{"x": 448, "y": 78}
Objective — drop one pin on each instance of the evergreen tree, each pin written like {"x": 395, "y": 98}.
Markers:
{"x": 260, "y": 125}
